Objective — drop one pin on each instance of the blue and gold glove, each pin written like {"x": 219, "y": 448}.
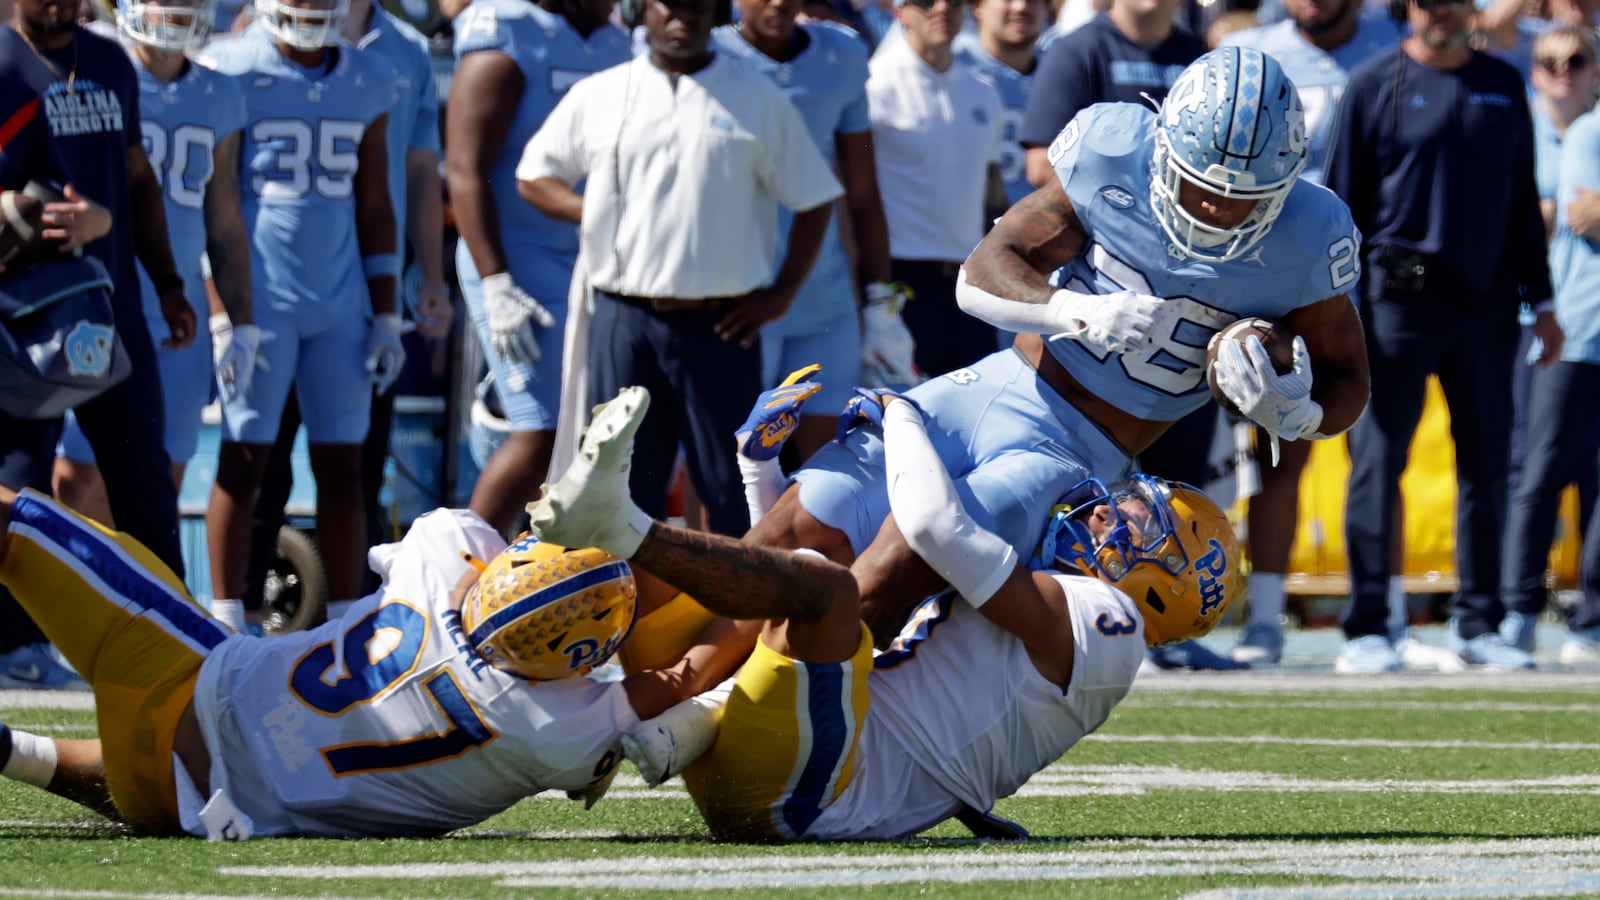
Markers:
{"x": 776, "y": 415}
{"x": 866, "y": 406}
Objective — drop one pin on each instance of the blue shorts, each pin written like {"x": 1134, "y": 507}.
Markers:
{"x": 836, "y": 345}
{"x": 329, "y": 367}
{"x": 187, "y": 380}
{"x": 1012, "y": 443}
{"x": 530, "y": 394}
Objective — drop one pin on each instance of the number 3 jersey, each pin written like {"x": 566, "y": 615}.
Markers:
{"x": 386, "y": 722}
{"x": 1103, "y": 158}
{"x": 298, "y": 163}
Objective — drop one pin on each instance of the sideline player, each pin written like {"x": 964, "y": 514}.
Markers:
{"x": 1166, "y": 227}
{"x": 988, "y": 683}
{"x": 190, "y": 117}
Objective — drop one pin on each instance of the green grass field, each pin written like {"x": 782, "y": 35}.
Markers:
{"x": 1297, "y": 784}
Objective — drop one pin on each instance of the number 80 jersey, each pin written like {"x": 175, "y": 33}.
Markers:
{"x": 385, "y": 722}
{"x": 298, "y": 162}
{"x": 1103, "y": 158}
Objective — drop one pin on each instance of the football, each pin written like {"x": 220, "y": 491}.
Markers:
{"x": 20, "y": 224}
{"x": 1279, "y": 344}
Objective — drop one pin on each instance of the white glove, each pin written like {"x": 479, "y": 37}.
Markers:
{"x": 385, "y": 354}
{"x": 510, "y": 309}
{"x": 1281, "y": 404}
{"x": 235, "y": 352}
{"x": 887, "y": 347}
{"x": 1123, "y": 322}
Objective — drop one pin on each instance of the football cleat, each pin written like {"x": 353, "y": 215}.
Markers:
{"x": 1368, "y": 654}
{"x": 664, "y": 746}
{"x": 591, "y": 505}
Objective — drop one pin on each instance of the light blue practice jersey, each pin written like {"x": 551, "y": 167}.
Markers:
{"x": 298, "y": 164}
{"x": 1575, "y": 261}
{"x": 1318, "y": 75}
{"x": 414, "y": 118}
{"x": 1103, "y": 158}
{"x": 827, "y": 83}
{"x": 181, "y": 123}
{"x": 553, "y": 57}
{"x": 1014, "y": 88}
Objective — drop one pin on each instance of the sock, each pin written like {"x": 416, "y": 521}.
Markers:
{"x": 1399, "y": 615}
{"x": 764, "y": 483}
{"x": 229, "y": 613}
{"x": 28, "y": 758}
{"x": 1266, "y": 598}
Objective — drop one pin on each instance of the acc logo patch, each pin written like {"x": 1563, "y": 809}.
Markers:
{"x": 88, "y": 350}
{"x": 1117, "y": 196}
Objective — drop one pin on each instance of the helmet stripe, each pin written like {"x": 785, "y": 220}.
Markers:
{"x": 566, "y": 587}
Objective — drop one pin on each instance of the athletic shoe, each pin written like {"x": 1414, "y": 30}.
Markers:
{"x": 1581, "y": 648}
{"x": 591, "y": 506}
{"x": 991, "y": 827}
{"x": 665, "y": 745}
{"x": 1517, "y": 628}
{"x": 35, "y": 667}
{"x": 1262, "y": 643}
{"x": 1489, "y": 650}
{"x": 1191, "y": 655}
{"x": 1419, "y": 657}
{"x": 1368, "y": 654}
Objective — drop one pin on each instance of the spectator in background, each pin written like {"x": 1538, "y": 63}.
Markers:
{"x": 1450, "y": 252}
{"x": 1004, "y": 51}
{"x": 516, "y": 60}
{"x": 687, "y": 155}
{"x": 936, "y": 127}
{"x": 190, "y": 116}
{"x": 823, "y": 70}
{"x": 1561, "y": 446}
{"x": 1229, "y": 23}
{"x": 1317, "y": 46}
{"x": 1128, "y": 53}
{"x": 89, "y": 94}
{"x": 323, "y": 253}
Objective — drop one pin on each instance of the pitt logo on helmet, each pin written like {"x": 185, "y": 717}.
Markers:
{"x": 543, "y": 612}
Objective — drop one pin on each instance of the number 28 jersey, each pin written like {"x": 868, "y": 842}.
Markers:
{"x": 385, "y": 721}
{"x": 298, "y": 163}
{"x": 1103, "y": 158}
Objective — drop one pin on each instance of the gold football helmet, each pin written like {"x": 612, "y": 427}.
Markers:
{"x": 1163, "y": 543}
{"x": 544, "y": 612}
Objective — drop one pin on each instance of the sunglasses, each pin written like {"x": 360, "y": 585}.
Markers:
{"x": 1575, "y": 63}
{"x": 1431, "y": 5}
{"x": 929, "y": 4}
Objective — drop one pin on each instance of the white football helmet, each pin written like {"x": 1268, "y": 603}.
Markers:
{"x": 1233, "y": 125}
{"x": 174, "y": 25}
{"x": 306, "y": 24}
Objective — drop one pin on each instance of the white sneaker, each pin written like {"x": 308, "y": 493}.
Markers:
{"x": 1419, "y": 657}
{"x": 1366, "y": 655}
{"x": 1581, "y": 650}
{"x": 665, "y": 745}
{"x": 591, "y": 505}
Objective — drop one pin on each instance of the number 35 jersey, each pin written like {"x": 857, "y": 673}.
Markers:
{"x": 386, "y": 722}
{"x": 1103, "y": 158}
{"x": 298, "y": 163}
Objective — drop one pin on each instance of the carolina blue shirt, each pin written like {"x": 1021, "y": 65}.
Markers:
{"x": 1442, "y": 163}
{"x": 183, "y": 122}
{"x": 1014, "y": 88}
{"x": 414, "y": 118}
{"x": 1546, "y": 154}
{"x": 553, "y": 57}
{"x": 827, "y": 83}
{"x": 1099, "y": 64}
{"x": 1103, "y": 159}
{"x": 1575, "y": 261}
{"x": 298, "y": 163}
{"x": 1318, "y": 75}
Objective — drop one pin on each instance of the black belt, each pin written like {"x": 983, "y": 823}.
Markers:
{"x": 940, "y": 267}
{"x": 672, "y": 304}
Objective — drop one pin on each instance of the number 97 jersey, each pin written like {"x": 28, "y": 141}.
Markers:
{"x": 1103, "y": 158}
{"x": 298, "y": 162}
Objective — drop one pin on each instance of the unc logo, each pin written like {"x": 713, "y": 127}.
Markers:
{"x": 88, "y": 350}
{"x": 963, "y": 376}
{"x": 1117, "y": 197}
{"x": 1212, "y": 567}
{"x": 1296, "y": 118}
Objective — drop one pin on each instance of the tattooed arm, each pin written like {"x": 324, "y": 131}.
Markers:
{"x": 1038, "y": 235}
{"x": 743, "y": 581}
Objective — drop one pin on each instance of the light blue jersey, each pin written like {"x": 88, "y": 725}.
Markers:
{"x": 1103, "y": 159}
{"x": 1547, "y": 154}
{"x": 414, "y": 118}
{"x": 553, "y": 57}
{"x": 1014, "y": 88}
{"x": 1318, "y": 75}
{"x": 827, "y": 83}
{"x": 298, "y": 164}
{"x": 1575, "y": 261}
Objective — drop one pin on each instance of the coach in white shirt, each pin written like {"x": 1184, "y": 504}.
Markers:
{"x": 688, "y": 155}
{"x": 936, "y": 128}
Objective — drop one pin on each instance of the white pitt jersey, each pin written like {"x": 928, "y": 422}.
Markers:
{"x": 960, "y": 715}
{"x": 386, "y": 722}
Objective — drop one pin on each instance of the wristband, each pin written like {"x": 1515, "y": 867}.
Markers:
{"x": 380, "y": 264}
